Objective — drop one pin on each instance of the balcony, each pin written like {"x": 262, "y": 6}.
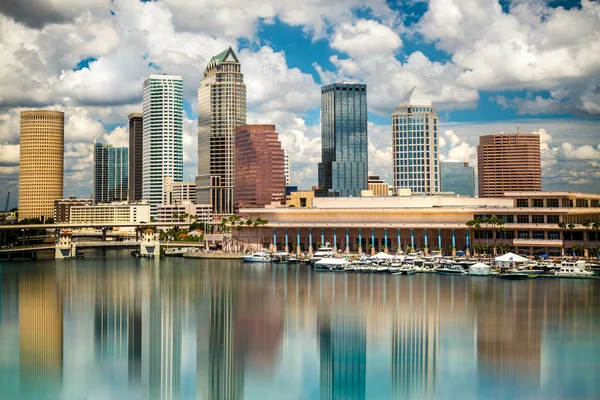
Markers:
{"x": 537, "y": 242}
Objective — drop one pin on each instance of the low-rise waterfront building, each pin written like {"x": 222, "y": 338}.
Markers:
{"x": 378, "y": 186}
{"x": 531, "y": 223}
{"x": 62, "y": 208}
{"x": 113, "y": 212}
{"x": 300, "y": 199}
{"x": 185, "y": 211}
{"x": 178, "y": 192}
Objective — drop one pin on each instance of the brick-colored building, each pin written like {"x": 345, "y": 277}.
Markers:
{"x": 259, "y": 166}
{"x": 509, "y": 163}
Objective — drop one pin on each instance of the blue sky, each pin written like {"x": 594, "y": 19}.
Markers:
{"x": 488, "y": 66}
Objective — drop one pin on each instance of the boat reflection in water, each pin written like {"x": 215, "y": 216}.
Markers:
{"x": 173, "y": 328}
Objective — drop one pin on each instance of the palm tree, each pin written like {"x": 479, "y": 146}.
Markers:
{"x": 586, "y": 224}
{"x": 473, "y": 225}
{"x": 596, "y": 226}
{"x": 502, "y": 231}
{"x": 494, "y": 220}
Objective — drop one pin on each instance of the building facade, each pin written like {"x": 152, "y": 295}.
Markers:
{"x": 259, "y": 166}
{"x": 389, "y": 223}
{"x": 111, "y": 174}
{"x": 344, "y": 139}
{"x": 136, "y": 148}
{"x": 178, "y": 192}
{"x": 300, "y": 199}
{"x": 378, "y": 186}
{"x": 41, "y": 162}
{"x": 115, "y": 212}
{"x": 162, "y": 153}
{"x": 508, "y": 162}
{"x": 221, "y": 108}
{"x": 62, "y": 208}
{"x": 457, "y": 177}
{"x": 184, "y": 212}
{"x": 286, "y": 168}
{"x": 415, "y": 144}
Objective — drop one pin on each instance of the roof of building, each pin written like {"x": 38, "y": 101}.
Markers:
{"x": 415, "y": 97}
{"x": 149, "y": 230}
{"x": 225, "y": 56}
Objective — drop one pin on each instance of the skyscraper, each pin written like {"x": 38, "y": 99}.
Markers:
{"x": 221, "y": 108}
{"x": 509, "y": 162}
{"x": 457, "y": 177}
{"x": 110, "y": 173}
{"x": 136, "y": 148}
{"x": 415, "y": 144}
{"x": 259, "y": 166}
{"x": 162, "y": 135}
{"x": 344, "y": 139}
{"x": 41, "y": 162}
{"x": 286, "y": 168}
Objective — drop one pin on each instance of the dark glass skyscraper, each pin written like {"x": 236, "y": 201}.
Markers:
{"x": 136, "y": 147}
{"x": 110, "y": 173}
{"x": 344, "y": 140}
{"x": 457, "y": 177}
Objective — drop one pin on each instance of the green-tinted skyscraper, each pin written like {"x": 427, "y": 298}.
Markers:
{"x": 344, "y": 140}
{"x": 111, "y": 173}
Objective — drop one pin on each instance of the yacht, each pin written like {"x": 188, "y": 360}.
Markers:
{"x": 331, "y": 264}
{"x": 281, "y": 257}
{"x": 259, "y": 256}
{"x": 322, "y": 252}
{"x": 573, "y": 270}
{"x": 450, "y": 270}
{"x": 176, "y": 251}
{"x": 405, "y": 269}
{"x": 515, "y": 274}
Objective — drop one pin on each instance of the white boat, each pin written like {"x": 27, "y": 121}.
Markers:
{"x": 322, "y": 252}
{"x": 450, "y": 270}
{"x": 569, "y": 269}
{"x": 259, "y": 256}
{"x": 480, "y": 269}
{"x": 331, "y": 264}
{"x": 280, "y": 257}
{"x": 406, "y": 269}
{"x": 176, "y": 251}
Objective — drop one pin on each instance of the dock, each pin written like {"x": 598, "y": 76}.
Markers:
{"x": 215, "y": 255}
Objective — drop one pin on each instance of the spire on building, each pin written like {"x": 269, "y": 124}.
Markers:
{"x": 415, "y": 97}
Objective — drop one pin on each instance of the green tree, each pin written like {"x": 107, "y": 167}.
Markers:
{"x": 571, "y": 226}
{"x": 586, "y": 224}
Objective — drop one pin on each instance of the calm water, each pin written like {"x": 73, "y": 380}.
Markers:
{"x": 117, "y": 327}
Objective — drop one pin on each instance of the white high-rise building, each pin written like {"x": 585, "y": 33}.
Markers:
{"x": 415, "y": 145}
{"x": 162, "y": 153}
{"x": 286, "y": 167}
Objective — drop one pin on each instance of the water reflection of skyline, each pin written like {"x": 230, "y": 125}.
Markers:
{"x": 263, "y": 332}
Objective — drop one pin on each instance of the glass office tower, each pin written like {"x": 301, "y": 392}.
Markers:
{"x": 457, "y": 177}
{"x": 111, "y": 173}
{"x": 344, "y": 139}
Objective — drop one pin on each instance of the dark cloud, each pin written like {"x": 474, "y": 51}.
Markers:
{"x": 33, "y": 13}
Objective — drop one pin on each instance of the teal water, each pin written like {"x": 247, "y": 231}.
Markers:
{"x": 113, "y": 327}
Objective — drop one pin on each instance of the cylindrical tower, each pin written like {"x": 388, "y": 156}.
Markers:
{"x": 41, "y": 162}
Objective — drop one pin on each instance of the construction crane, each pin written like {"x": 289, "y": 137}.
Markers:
{"x": 7, "y": 200}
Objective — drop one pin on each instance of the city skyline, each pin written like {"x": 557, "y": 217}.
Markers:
{"x": 285, "y": 60}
